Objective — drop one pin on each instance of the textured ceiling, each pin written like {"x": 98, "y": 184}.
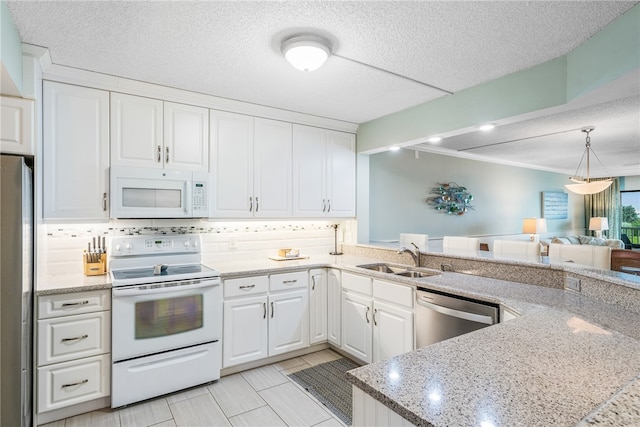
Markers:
{"x": 231, "y": 49}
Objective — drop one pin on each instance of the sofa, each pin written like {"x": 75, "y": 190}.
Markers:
{"x": 587, "y": 240}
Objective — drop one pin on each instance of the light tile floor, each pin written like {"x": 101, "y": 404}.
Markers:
{"x": 262, "y": 397}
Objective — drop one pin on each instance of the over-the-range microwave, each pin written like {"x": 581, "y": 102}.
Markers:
{"x": 158, "y": 193}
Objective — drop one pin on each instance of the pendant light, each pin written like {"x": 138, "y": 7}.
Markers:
{"x": 585, "y": 185}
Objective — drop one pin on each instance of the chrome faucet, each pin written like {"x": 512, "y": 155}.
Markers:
{"x": 415, "y": 253}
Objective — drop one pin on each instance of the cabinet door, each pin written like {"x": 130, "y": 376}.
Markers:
{"x": 288, "y": 321}
{"x": 334, "y": 303}
{"x": 75, "y": 152}
{"x": 245, "y": 330}
{"x": 341, "y": 174}
{"x": 392, "y": 331}
{"x": 17, "y": 130}
{"x": 136, "y": 131}
{"x": 272, "y": 151}
{"x": 186, "y": 137}
{"x": 356, "y": 326}
{"x": 318, "y": 306}
{"x": 309, "y": 172}
{"x": 231, "y": 165}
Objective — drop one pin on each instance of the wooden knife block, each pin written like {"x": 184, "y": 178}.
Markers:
{"x": 95, "y": 268}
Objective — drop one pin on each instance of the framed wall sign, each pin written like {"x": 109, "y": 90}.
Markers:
{"x": 555, "y": 205}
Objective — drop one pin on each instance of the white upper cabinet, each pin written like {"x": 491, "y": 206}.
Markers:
{"x": 250, "y": 165}
{"x": 136, "y": 131}
{"x": 324, "y": 178}
{"x": 17, "y": 130}
{"x": 151, "y": 133}
{"x": 75, "y": 152}
{"x": 186, "y": 137}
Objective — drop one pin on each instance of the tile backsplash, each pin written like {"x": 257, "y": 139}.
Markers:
{"x": 60, "y": 246}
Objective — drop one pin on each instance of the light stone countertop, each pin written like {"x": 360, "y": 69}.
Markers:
{"x": 567, "y": 359}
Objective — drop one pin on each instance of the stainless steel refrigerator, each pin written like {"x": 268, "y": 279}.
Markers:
{"x": 16, "y": 291}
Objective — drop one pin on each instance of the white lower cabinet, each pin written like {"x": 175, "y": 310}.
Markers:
{"x": 245, "y": 330}
{"x": 334, "y": 307}
{"x": 368, "y": 412}
{"x": 377, "y": 318}
{"x": 263, "y": 320}
{"x": 73, "y": 336}
{"x": 357, "y": 326}
{"x": 288, "y": 322}
{"x": 318, "y": 305}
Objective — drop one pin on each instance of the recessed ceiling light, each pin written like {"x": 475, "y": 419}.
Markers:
{"x": 435, "y": 139}
{"x": 487, "y": 126}
{"x": 394, "y": 148}
{"x": 306, "y": 52}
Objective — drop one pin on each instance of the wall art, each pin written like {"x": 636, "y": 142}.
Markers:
{"x": 451, "y": 199}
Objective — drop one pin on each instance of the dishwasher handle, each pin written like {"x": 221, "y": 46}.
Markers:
{"x": 478, "y": 318}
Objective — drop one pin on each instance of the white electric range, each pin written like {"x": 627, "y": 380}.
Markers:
{"x": 166, "y": 316}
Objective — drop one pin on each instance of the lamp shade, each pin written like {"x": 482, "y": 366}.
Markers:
{"x": 598, "y": 223}
{"x": 534, "y": 225}
{"x": 592, "y": 187}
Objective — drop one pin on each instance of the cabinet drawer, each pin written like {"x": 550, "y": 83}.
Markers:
{"x": 356, "y": 283}
{"x": 245, "y": 286}
{"x": 393, "y": 292}
{"x": 74, "y": 303}
{"x": 69, "y": 383}
{"x": 72, "y": 337}
{"x": 285, "y": 281}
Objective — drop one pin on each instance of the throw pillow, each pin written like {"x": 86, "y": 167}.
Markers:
{"x": 596, "y": 241}
{"x": 574, "y": 240}
{"x": 585, "y": 240}
{"x": 561, "y": 240}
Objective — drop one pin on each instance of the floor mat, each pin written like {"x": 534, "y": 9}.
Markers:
{"x": 328, "y": 384}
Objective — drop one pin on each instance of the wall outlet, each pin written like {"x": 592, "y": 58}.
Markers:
{"x": 572, "y": 283}
{"x": 233, "y": 239}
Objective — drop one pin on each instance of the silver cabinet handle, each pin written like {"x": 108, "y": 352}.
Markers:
{"x": 104, "y": 202}
{"x": 166, "y": 159}
{"x": 81, "y": 337}
{"x": 272, "y": 309}
{"x": 375, "y": 310}
{"x": 159, "y": 157}
{"x": 329, "y": 205}
{"x": 75, "y": 384}
{"x": 264, "y": 310}
{"x": 71, "y": 304}
{"x": 247, "y": 286}
{"x": 313, "y": 283}
{"x": 324, "y": 205}
{"x": 366, "y": 314}
{"x": 250, "y": 204}
{"x": 288, "y": 282}
{"x": 257, "y": 204}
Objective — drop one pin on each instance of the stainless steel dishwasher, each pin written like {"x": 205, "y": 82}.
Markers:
{"x": 440, "y": 316}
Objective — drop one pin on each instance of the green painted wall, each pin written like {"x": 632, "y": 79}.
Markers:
{"x": 504, "y": 195}
{"x": 10, "y": 53}
{"x": 610, "y": 54}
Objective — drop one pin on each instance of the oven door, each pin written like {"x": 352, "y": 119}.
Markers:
{"x": 148, "y": 319}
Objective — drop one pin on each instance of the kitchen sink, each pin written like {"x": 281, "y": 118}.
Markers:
{"x": 400, "y": 270}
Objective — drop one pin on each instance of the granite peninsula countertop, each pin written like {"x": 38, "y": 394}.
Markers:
{"x": 567, "y": 360}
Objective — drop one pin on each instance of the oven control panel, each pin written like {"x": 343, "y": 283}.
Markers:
{"x": 144, "y": 245}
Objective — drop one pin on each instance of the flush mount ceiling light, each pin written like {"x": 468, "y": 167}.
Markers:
{"x": 306, "y": 52}
{"x": 435, "y": 139}
{"x": 585, "y": 185}
{"x": 487, "y": 127}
